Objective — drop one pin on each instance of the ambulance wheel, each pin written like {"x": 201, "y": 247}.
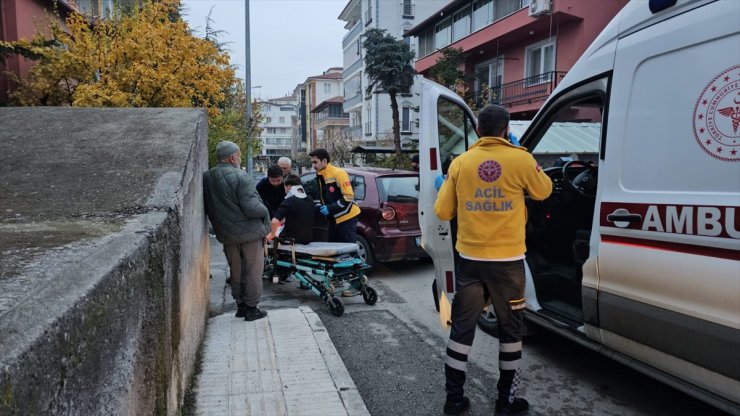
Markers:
{"x": 370, "y": 296}
{"x": 336, "y": 306}
{"x": 488, "y": 322}
{"x": 366, "y": 252}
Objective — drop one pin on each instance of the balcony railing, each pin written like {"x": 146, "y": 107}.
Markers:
{"x": 352, "y": 34}
{"x": 523, "y": 91}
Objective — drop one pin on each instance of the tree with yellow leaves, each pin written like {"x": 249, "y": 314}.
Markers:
{"x": 145, "y": 57}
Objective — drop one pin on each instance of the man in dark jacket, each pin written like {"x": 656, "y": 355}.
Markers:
{"x": 271, "y": 189}
{"x": 240, "y": 222}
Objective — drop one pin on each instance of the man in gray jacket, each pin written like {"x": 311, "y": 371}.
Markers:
{"x": 240, "y": 221}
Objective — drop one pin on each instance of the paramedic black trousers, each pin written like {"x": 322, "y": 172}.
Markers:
{"x": 504, "y": 282}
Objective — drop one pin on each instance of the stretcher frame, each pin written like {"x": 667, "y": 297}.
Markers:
{"x": 325, "y": 268}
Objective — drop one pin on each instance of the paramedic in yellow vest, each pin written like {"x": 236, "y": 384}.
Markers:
{"x": 337, "y": 198}
{"x": 485, "y": 189}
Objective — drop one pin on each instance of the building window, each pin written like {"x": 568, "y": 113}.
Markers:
{"x": 282, "y": 120}
{"x": 286, "y": 108}
{"x": 327, "y": 88}
{"x": 442, "y": 34}
{"x": 369, "y": 12}
{"x": 539, "y": 62}
{"x": 406, "y": 119}
{"x": 268, "y": 120}
{"x": 482, "y": 14}
{"x": 504, "y": 8}
{"x": 368, "y": 130}
{"x": 408, "y": 9}
{"x": 460, "y": 24}
{"x": 490, "y": 74}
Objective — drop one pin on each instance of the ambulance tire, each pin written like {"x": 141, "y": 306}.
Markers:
{"x": 488, "y": 322}
{"x": 435, "y": 294}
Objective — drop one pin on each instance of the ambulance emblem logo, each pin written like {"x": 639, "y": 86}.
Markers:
{"x": 489, "y": 171}
{"x": 717, "y": 116}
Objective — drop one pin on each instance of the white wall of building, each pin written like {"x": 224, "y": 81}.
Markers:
{"x": 374, "y": 114}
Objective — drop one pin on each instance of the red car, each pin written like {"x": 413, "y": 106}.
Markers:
{"x": 388, "y": 226}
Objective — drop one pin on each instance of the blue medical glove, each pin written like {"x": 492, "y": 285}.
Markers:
{"x": 324, "y": 210}
{"x": 513, "y": 139}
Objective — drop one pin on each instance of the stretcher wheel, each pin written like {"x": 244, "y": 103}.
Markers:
{"x": 370, "y": 296}
{"x": 336, "y": 306}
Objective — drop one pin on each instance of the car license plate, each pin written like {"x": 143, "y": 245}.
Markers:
{"x": 417, "y": 240}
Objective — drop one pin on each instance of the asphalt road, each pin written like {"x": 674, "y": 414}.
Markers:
{"x": 394, "y": 352}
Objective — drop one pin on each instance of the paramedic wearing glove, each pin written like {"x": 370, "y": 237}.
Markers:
{"x": 337, "y": 198}
{"x": 485, "y": 190}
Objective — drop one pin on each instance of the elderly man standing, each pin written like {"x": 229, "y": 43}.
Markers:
{"x": 285, "y": 164}
{"x": 240, "y": 222}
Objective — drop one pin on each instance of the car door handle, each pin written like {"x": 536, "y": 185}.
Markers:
{"x": 624, "y": 217}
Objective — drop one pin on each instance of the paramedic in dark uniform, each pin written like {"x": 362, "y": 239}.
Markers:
{"x": 337, "y": 202}
{"x": 337, "y": 198}
{"x": 485, "y": 189}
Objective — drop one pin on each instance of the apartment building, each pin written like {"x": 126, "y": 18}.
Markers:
{"x": 23, "y": 19}
{"x": 370, "y": 117}
{"x": 277, "y": 128}
{"x": 516, "y": 51}
{"x": 309, "y": 95}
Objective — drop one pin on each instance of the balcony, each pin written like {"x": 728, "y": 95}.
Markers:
{"x": 525, "y": 90}
{"x": 352, "y": 34}
{"x": 368, "y": 129}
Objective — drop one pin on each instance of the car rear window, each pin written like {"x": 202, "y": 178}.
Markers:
{"x": 398, "y": 189}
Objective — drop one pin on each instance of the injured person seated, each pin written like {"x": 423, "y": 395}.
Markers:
{"x": 294, "y": 217}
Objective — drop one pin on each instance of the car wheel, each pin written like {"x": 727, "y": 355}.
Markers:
{"x": 366, "y": 252}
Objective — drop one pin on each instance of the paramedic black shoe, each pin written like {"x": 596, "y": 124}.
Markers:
{"x": 254, "y": 313}
{"x": 241, "y": 310}
{"x": 303, "y": 286}
{"x": 519, "y": 407}
{"x": 456, "y": 408}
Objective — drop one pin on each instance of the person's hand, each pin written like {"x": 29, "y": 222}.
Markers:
{"x": 269, "y": 237}
{"x": 324, "y": 210}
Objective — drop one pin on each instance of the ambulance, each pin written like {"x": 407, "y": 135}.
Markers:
{"x": 636, "y": 254}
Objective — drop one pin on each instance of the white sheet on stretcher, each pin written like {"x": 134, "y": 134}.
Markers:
{"x": 322, "y": 249}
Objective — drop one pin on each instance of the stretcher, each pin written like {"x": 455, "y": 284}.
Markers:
{"x": 325, "y": 268}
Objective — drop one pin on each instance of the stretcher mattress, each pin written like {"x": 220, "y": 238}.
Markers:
{"x": 322, "y": 249}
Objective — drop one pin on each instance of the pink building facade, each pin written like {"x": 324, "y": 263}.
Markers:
{"x": 516, "y": 51}
{"x": 23, "y": 19}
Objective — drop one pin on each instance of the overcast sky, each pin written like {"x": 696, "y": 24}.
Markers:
{"x": 290, "y": 39}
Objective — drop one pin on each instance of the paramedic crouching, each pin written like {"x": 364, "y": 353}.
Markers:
{"x": 485, "y": 189}
{"x": 294, "y": 217}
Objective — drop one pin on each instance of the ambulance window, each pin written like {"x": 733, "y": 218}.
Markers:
{"x": 574, "y": 133}
{"x": 456, "y": 130}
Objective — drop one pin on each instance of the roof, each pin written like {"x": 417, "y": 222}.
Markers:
{"x": 290, "y": 98}
{"x": 333, "y": 100}
{"x": 378, "y": 149}
{"x": 379, "y": 171}
{"x": 435, "y": 17}
{"x": 564, "y": 137}
{"x": 331, "y": 75}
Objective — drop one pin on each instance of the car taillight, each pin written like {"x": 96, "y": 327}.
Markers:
{"x": 388, "y": 213}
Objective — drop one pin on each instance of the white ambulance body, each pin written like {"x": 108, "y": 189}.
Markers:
{"x": 637, "y": 253}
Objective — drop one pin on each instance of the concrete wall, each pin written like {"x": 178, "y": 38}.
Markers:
{"x": 103, "y": 259}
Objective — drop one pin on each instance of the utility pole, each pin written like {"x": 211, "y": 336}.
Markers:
{"x": 248, "y": 90}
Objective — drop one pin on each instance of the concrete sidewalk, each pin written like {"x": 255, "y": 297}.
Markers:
{"x": 284, "y": 364}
